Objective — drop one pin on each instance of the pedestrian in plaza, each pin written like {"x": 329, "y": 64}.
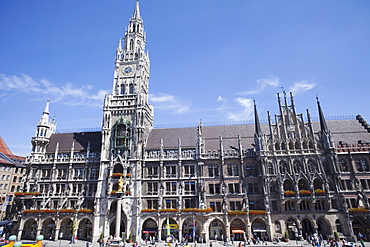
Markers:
{"x": 210, "y": 243}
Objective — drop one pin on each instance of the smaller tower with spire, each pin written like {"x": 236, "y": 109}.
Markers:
{"x": 325, "y": 135}
{"x": 45, "y": 128}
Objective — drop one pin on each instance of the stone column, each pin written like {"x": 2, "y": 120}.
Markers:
{"x": 56, "y": 235}
{"x": 180, "y": 234}
{"x": 118, "y": 214}
{"x": 19, "y": 234}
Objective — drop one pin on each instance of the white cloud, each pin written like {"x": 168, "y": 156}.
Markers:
{"x": 271, "y": 81}
{"x": 219, "y": 98}
{"x": 69, "y": 93}
{"x": 301, "y": 87}
{"x": 169, "y": 103}
{"x": 245, "y": 112}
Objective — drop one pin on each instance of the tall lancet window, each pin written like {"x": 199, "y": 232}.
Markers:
{"x": 131, "y": 89}
{"x": 123, "y": 89}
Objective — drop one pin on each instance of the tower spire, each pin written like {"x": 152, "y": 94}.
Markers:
{"x": 323, "y": 125}
{"x": 45, "y": 114}
{"x": 137, "y": 11}
{"x": 258, "y": 131}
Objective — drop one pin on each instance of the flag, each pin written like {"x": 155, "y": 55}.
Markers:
{"x": 194, "y": 224}
{"x": 168, "y": 227}
{"x": 74, "y": 224}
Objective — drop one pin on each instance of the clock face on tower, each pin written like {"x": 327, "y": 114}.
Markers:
{"x": 128, "y": 70}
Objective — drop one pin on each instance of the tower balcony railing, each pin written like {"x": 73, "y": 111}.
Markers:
{"x": 169, "y": 155}
{"x": 64, "y": 158}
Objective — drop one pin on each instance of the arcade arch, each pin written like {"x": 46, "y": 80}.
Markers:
{"x": 29, "y": 229}
{"x": 323, "y": 228}
{"x": 150, "y": 230}
{"x": 307, "y": 227}
{"x": 259, "y": 228}
{"x": 170, "y": 227}
{"x": 65, "y": 231}
{"x": 216, "y": 230}
{"x": 237, "y": 230}
{"x": 48, "y": 228}
{"x": 85, "y": 229}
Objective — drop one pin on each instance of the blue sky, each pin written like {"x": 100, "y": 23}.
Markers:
{"x": 209, "y": 59}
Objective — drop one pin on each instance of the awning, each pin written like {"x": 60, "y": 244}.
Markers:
{"x": 237, "y": 231}
{"x": 259, "y": 230}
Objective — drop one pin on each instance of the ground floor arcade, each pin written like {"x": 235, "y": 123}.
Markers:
{"x": 195, "y": 227}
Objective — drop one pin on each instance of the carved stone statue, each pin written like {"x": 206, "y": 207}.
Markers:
{"x": 120, "y": 184}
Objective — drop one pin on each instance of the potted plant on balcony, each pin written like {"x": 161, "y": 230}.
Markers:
{"x": 129, "y": 238}
{"x": 320, "y": 192}
{"x": 117, "y": 175}
{"x": 289, "y": 193}
{"x": 305, "y": 193}
{"x": 286, "y": 236}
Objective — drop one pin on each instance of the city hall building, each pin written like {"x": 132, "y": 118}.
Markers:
{"x": 290, "y": 175}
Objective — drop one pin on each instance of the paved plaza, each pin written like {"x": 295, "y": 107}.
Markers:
{"x": 79, "y": 243}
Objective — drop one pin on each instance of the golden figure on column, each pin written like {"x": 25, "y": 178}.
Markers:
{"x": 120, "y": 184}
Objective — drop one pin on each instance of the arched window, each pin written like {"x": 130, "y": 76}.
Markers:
{"x": 123, "y": 89}
{"x": 296, "y": 145}
{"x": 131, "y": 44}
{"x": 283, "y": 146}
{"x": 273, "y": 187}
{"x": 291, "y": 145}
{"x": 317, "y": 184}
{"x": 283, "y": 167}
{"x": 270, "y": 169}
{"x": 288, "y": 185}
{"x": 343, "y": 166}
{"x": 118, "y": 168}
{"x": 303, "y": 184}
{"x": 358, "y": 165}
{"x": 277, "y": 146}
{"x": 311, "y": 165}
{"x": 297, "y": 166}
{"x": 131, "y": 89}
{"x": 304, "y": 145}
{"x": 364, "y": 164}
{"x": 310, "y": 144}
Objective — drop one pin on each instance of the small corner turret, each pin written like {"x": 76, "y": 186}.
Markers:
{"x": 45, "y": 128}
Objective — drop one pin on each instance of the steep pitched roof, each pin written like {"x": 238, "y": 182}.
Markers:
{"x": 5, "y": 160}
{"x": 81, "y": 141}
{"x": 346, "y": 131}
{"x": 7, "y": 156}
{"x": 4, "y": 148}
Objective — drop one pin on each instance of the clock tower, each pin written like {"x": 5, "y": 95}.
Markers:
{"x": 128, "y": 117}
{"x": 127, "y": 121}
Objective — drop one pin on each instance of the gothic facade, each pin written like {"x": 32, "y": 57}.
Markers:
{"x": 291, "y": 175}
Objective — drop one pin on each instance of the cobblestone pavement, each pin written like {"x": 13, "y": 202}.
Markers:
{"x": 79, "y": 243}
